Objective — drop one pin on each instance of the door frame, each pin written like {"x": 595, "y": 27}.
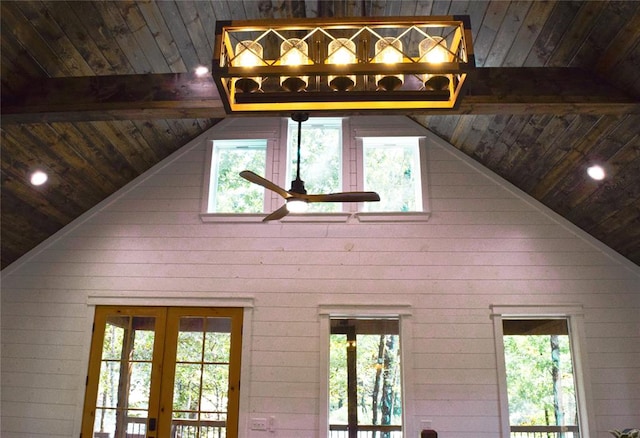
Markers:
{"x": 172, "y": 299}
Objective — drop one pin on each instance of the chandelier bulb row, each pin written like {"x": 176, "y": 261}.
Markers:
{"x": 342, "y": 51}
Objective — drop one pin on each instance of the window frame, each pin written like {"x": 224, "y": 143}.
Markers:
{"x": 236, "y": 129}
{"x": 212, "y": 184}
{"x": 423, "y": 213}
{"x": 400, "y": 312}
{"x": 574, "y": 316}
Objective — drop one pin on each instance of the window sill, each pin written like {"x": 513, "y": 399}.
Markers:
{"x": 343, "y": 217}
{"x": 406, "y": 216}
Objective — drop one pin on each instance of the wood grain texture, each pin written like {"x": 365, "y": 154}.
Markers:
{"x": 524, "y": 131}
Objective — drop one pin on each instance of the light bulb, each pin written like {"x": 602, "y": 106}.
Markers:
{"x": 294, "y": 52}
{"x": 342, "y": 51}
{"x": 433, "y": 50}
{"x": 38, "y": 178}
{"x": 389, "y": 51}
{"x": 248, "y": 54}
{"x": 201, "y": 71}
{"x": 297, "y": 206}
{"x": 596, "y": 172}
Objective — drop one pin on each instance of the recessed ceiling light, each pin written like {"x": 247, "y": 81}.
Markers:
{"x": 596, "y": 172}
{"x": 201, "y": 70}
{"x": 38, "y": 178}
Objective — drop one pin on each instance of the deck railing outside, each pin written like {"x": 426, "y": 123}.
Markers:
{"x": 342, "y": 431}
{"x": 136, "y": 428}
{"x": 545, "y": 432}
{"x": 198, "y": 429}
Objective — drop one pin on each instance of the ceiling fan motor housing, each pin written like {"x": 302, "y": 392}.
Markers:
{"x": 297, "y": 186}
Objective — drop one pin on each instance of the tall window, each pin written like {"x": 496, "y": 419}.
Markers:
{"x": 228, "y": 192}
{"x": 540, "y": 377}
{"x": 365, "y": 381}
{"x": 321, "y": 158}
{"x": 391, "y": 167}
{"x": 163, "y": 372}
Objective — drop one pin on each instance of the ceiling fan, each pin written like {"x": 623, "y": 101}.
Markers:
{"x": 297, "y": 198}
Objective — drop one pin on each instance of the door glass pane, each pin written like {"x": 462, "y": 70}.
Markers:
{"x": 201, "y": 384}
{"x": 125, "y": 377}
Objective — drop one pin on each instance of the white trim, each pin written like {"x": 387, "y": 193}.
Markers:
{"x": 361, "y": 310}
{"x": 403, "y": 313}
{"x": 350, "y": 170}
{"x": 280, "y": 167}
{"x": 392, "y": 216}
{"x": 574, "y": 315}
{"x": 141, "y": 298}
{"x": 536, "y": 310}
{"x": 338, "y": 217}
{"x": 423, "y": 150}
{"x": 206, "y": 177}
{"x": 232, "y": 218}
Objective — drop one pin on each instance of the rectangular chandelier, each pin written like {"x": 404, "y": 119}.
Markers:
{"x": 348, "y": 64}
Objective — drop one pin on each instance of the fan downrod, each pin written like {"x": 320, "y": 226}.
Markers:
{"x": 297, "y": 185}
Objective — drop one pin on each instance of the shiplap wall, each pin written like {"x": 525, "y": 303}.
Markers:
{"x": 484, "y": 244}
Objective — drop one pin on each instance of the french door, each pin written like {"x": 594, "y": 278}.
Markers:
{"x": 163, "y": 372}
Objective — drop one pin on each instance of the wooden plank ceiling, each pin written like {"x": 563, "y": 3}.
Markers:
{"x": 98, "y": 92}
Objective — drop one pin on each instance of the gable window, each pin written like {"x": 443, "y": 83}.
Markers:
{"x": 541, "y": 377}
{"x": 392, "y": 168}
{"x": 365, "y": 379}
{"x": 386, "y": 155}
{"x": 228, "y": 193}
{"x": 320, "y": 158}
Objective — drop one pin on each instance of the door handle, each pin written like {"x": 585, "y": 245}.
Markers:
{"x": 152, "y": 424}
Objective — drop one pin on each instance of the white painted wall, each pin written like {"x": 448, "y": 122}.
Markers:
{"x": 485, "y": 244}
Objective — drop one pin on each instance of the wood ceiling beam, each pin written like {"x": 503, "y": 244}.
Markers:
{"x": 121, "y": 97}
{"x": 500, "y": 90}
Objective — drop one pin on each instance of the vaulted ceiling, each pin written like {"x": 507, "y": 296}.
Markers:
{"x": 96, "y": 93}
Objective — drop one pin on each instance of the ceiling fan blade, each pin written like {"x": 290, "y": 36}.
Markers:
{"x": 344, "y": 197}
{"x": 257, "y": 179}
{"x": 278, "y": 214}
